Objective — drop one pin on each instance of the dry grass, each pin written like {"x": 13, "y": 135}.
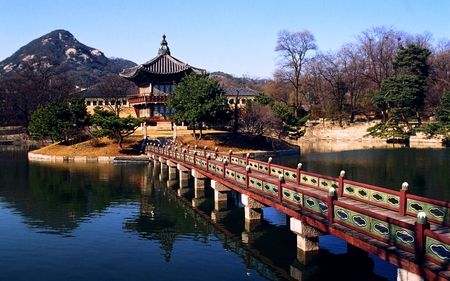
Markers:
{"x": 104, "y": 147}
{"x": 132, "y": 145}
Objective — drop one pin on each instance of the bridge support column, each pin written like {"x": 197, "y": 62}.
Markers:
{"x": 307, "y": 236}
{"x": 404, "y": 275}
{"x": 252, "y": 208}
{"x": 172, "y": 169}
{"x": 163, "y": 176}
{"x": 199, "y": 188}
{"x": 221, "y": 195}
{"x": 183, "y": 175}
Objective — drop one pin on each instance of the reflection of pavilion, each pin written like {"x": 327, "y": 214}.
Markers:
{"x": 155, "y": 80}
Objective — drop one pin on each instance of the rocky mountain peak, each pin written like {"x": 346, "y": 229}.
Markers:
{"x": 61, "y": 48}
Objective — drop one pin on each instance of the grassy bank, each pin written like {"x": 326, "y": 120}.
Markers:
{"x": 132, "y": 145}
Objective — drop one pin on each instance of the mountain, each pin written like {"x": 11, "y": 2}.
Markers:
{"x": 85, "y": 65}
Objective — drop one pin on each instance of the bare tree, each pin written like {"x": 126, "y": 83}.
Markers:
{"x": 439, "y": 79}
{"x": 379, "y": 46}
{"x": 294, "y": 49}
{"x": 115, "y": 89}
{"x": 39, "y": 82}
{"x": 259, "y": 120}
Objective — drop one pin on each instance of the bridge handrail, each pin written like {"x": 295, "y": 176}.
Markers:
{"x": 436, "y": 211}
{"x": 370, "y": 194}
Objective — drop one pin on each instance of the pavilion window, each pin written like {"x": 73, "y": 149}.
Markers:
{"x": 94, "y": 102}
{"x": 88, "y": 102}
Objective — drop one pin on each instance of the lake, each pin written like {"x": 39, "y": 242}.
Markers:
{"x": 73, "y": 221}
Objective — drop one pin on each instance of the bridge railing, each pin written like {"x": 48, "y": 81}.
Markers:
{"x": 281, "y": 184}
{"x": 400, "y": 201}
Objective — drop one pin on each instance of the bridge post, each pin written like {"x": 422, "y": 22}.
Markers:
{"x": 341, "y": 183}
{"x": 332, "y": 196}
{"x": 403, "y": 192}
{"x": 420, "y": 225}
{"x": 299, "y": 171}
{"x": 307, "y": 236}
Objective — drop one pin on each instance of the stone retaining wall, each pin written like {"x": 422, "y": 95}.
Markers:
{"x": 54, "y": 158}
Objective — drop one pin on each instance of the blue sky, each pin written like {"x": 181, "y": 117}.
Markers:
{"x": 235, "y": 36}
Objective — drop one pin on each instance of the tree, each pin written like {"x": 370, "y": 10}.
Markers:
{"x": 113, "y": 126}
{"x": 115, "y": 89}
{"x": 440, "y": 128}
{"x": 291, "y": 123}
{"x": 258, "y": 119}
{"x": 294, "y": 49}
{"x": 61, "y": 121}
{"x": 39, "y": 83}
{"x": 403, "y": 96}
{"x": 199, "y": 100}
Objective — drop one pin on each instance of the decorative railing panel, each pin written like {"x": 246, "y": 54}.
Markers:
{"x": 436, "y": 211}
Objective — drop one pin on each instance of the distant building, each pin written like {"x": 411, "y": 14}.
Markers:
{"x": 155, "y": 81}
{"x": 239, "y": 95}
{"x": 94, "y": 98}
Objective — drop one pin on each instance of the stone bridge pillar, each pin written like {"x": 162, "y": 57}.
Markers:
{"x": 252, "y": 212}
{"x": 199, "y": 188}
{"x": 307, "y": 236}
{"x": 183, "y": 175}
{"x": 221, "y": 195}
{"x": 163, "y": 175}
{"x": 172, "y": 169}
{"x": 405, "y": 275}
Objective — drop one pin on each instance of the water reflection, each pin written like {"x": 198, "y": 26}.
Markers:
{"x": 128, "y": 215}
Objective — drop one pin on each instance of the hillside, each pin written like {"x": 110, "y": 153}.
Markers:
{"x": 84, "y": 64}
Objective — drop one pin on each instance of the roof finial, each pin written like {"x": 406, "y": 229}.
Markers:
{"x": 164, "y": 48}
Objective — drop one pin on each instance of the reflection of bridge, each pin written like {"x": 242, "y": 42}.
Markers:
{"x": 409, "y": 231}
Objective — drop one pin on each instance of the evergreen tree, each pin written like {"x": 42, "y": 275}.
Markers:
{"x": 113, "y": 126}
{"x": 199, "y": 100}
{"x": 403, "y": 96}
{"x": 59, "y": 120}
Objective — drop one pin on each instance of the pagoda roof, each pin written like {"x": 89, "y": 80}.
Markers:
{"x": 162, "y": 64}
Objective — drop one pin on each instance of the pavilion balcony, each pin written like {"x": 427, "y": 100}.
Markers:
{"x": 147, "y": 99}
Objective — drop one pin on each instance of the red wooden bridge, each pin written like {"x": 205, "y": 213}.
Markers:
{"x": 409, "y": 231}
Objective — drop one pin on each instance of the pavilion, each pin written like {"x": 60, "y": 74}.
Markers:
{"x": 155, "y": 80}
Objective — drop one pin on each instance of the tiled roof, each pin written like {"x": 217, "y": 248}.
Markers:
{"x": 163, "y": 63}
{"x": 242, "y": 92}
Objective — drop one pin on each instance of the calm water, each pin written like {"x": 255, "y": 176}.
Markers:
{"x": 125, "y": 222}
